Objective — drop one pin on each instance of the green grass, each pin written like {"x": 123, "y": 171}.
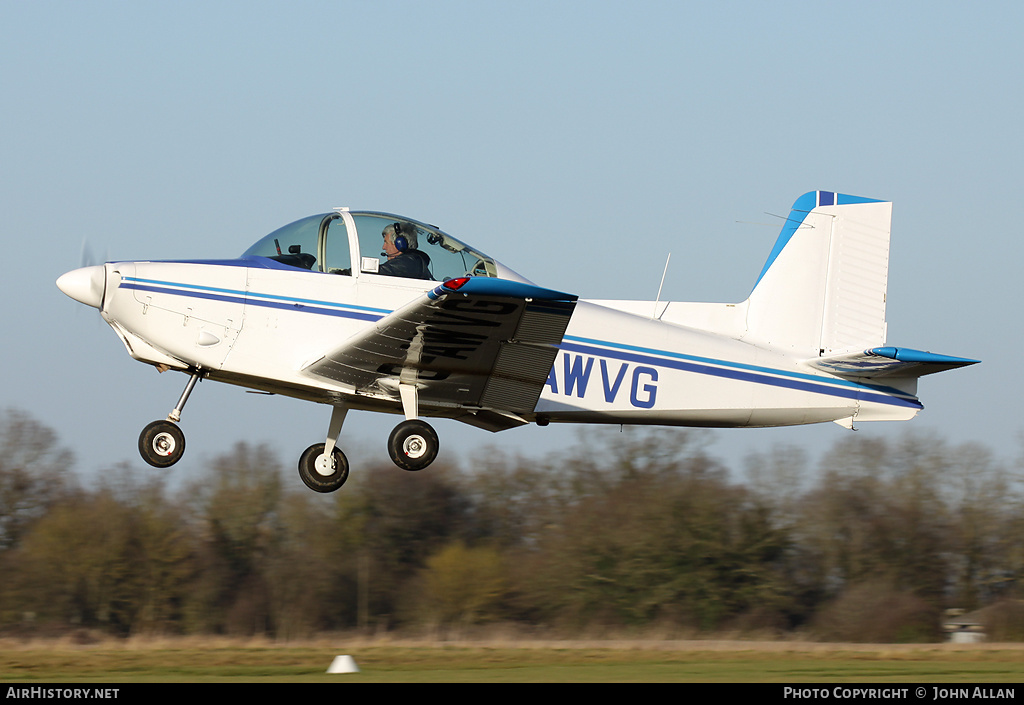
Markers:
{"x": 780, "y": 662}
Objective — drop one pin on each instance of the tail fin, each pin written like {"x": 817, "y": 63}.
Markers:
{"x": 822, "y": 290}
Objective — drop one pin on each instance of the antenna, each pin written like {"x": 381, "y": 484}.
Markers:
{"x": 658, "y": 300}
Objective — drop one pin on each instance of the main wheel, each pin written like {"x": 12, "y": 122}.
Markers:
{"x": 320, "y": 474}
{"x": 161, "y": 444}
{"x": 413, "y": 445}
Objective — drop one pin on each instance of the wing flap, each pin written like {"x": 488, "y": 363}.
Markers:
{"x": 471, "y": 342}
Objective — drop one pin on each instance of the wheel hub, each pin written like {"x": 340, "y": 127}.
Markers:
{"x": 163, "y": 444}
{"x": 324, "y": 465}
{"x": 415, "y": 446}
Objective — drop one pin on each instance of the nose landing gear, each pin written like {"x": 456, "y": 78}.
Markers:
{"x": 162, "y": 443}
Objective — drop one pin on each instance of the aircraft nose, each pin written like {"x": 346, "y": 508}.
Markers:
{"x": 84, "y": 285}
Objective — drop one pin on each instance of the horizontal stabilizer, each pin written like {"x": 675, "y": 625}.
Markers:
{"x": 888, "y": 362}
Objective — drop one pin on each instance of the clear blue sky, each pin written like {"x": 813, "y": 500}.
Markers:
{"x": 578, "y": 142}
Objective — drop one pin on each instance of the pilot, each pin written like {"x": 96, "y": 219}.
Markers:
{"x": 404, "y": 258}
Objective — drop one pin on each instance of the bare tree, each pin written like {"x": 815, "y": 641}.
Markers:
{"x": 34, "y": 473}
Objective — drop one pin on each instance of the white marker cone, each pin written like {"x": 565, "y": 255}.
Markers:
{"x": 343, "y": 664}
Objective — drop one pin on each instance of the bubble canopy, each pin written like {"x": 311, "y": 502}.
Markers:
{"x": 346, "y": 242}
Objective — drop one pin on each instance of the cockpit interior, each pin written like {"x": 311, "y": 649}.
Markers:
{"x": 343, "y": 242}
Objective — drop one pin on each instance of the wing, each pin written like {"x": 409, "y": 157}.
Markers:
{"x": 476, "y": 343}
{"x": 888, "y": 362}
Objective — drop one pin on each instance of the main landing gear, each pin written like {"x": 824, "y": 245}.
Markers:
{"x": 162, "y": 443}
{"x": 413, "y": 445}
{"x": 323, "y": 467}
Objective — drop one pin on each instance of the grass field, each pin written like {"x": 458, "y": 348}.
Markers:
{"x": 200, "y": 661}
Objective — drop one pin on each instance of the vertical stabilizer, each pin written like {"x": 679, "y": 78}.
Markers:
{"x": 822, "y": 290}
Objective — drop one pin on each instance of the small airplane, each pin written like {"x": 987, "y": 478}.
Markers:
{"x": 373, "y": 311}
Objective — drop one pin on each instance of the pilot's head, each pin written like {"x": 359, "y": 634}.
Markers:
{"x": 399, "y": 238}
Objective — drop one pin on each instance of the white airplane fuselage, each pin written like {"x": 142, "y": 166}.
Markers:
{"x": 260, "y": 328}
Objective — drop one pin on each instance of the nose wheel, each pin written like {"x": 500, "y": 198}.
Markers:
{"x": 161, "y": 444}
{"x": 413, "y": 445}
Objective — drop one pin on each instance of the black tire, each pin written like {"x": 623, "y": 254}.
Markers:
{"x": 413, "y": 445}
{"x": 313, "y": 479}
{"x": 161, "y": 444}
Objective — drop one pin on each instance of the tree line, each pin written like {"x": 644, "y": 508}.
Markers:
{"x": 638, "y": 529}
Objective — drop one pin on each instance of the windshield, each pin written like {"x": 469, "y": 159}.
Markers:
{"x": 294, "y": 244}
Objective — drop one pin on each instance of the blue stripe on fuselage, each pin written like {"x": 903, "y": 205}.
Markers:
{"x": 658, "y": 358}
{"x": 326, "y": 308}
{"x": 738, "y": 371}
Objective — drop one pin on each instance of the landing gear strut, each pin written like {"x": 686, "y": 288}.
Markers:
{"x": 323, "y": 467}
{"x": 413, "y": 444}
{"x": 162, "y": 443}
